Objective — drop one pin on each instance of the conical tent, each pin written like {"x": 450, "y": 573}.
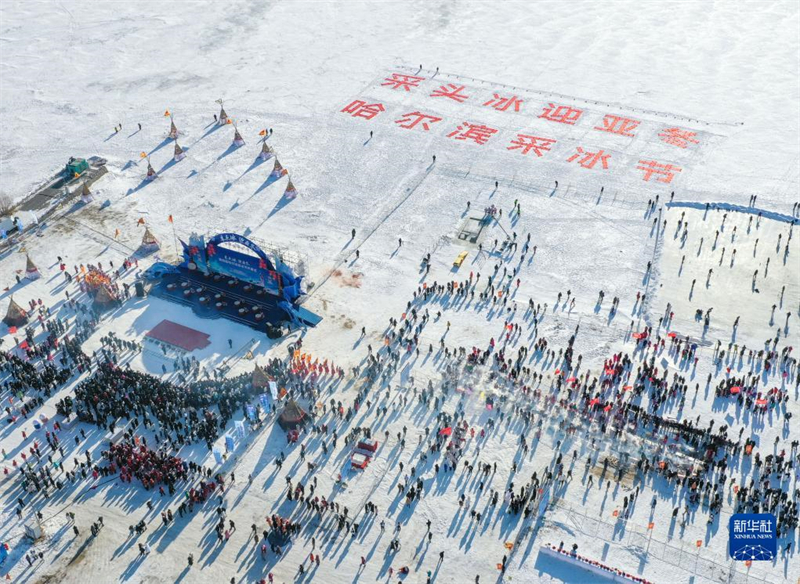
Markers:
{"x": 223, "y": 117}
{"x": 290, "y": 192}
{"x": 31, "y": 271}
{"x": 15, "y": 315}
{"x": 237, "y": 138}
{"x": 86, "y": 194}
{"x": 292, "y": 416}
{"x": 173, "y": 130}
{"x": 151, "y": 173}
{"x": 149, "y": 240}
{"x": 266, "y": 151}
{"x": 179, "y": 153}
{"x": 104, "y": 297}
{"x": 278, "y": 170}
{"x": 260, "y": 378}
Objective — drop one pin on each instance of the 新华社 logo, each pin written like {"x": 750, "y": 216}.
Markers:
{"x": 752, "y": 537}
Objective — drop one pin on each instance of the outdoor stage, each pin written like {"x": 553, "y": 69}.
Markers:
{"x": 230, "y": 276}
{"x": 217, "y": 296}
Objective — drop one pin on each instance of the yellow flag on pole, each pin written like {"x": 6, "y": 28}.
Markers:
{"x": 143, "y": 155}
{"x": 262, "y": 133}
{"x": 166, "y": 113}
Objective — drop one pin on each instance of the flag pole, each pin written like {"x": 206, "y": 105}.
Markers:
{"x": 175, "y": 237}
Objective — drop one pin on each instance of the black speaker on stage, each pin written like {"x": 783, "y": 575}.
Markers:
{"x": 139, "y": 289}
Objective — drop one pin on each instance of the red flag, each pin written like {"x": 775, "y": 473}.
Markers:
{"x": 446, "y": 431}
{"x": 262, "y": 133}
{"x": 12, "y": 330}
{"x": 169, "y": 219}
{"x": 23, "y": 345}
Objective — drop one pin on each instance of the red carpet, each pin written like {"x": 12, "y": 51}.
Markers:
{"x": 178, "y": 335}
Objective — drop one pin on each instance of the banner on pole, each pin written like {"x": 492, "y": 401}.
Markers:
{"x": 240, "y": 431}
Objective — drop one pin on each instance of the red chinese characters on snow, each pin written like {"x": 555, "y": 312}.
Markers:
{"x": 665, "y": 172}
{"x": 451, "y": 91}
{"x": 362, "y": 109}
{"x": 525, "y": 144}
{"x": 618, "y": 125}
{"x": 503, "y": 104}
{"x": 562, "y": 114}
{"x": 478, "y": 133}
{"x": 589, "y": 159}
{"x": 528, "y": 143}
{"x": 412, "y": 119}
{"x": 678, "y": 137}
{"x": 402, "y": 81}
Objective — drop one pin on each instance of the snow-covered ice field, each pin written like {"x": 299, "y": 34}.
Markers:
{"x": 405, "y": 120}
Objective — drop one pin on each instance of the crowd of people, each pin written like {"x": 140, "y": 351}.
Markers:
{"x": 113, "y": 393}
{"x": 131, "y": 460}
{"x": 538, "y": 383}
